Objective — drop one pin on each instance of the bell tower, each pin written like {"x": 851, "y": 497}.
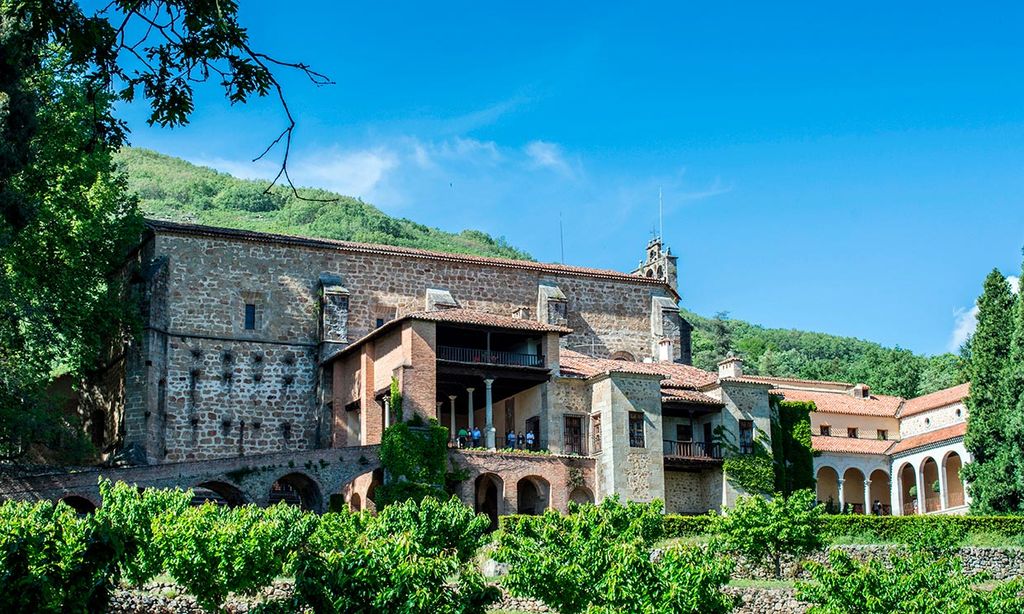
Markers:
{"x": 659, "y": 263}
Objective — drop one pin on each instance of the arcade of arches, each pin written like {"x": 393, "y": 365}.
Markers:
{"x": 930, "y": 485}
{"x": 853, "y": 492}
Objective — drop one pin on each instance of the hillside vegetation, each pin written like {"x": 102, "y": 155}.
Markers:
{"x": 172, "y": 189}
{"x": 797, "y": 353}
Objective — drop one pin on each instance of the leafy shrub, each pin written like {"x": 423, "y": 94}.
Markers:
{"x": 130, "y": 513}
{"x": 213, "y": 551}
{"x": 416, "y": 459}
{"x": 765, "y": 530}
{"x": 916, "y": 583}
{"x": 599, "y": 558}
{"x": 52, "y": 560}
{"x": 410, "y": 558}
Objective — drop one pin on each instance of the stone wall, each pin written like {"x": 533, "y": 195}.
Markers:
{"x": 186, "y": 402}
{"x": 696, "y": 492}
{"x": 554, "y": 476}
{"x": 932, "y": 419}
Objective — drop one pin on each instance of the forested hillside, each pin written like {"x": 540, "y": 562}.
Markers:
{"x": 172, "y": 189}
{"x": 796, "y": 353}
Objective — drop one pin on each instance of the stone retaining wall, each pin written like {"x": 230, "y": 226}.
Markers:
{"x": 1000, "y": 563}
{"x": 159, "y": 598}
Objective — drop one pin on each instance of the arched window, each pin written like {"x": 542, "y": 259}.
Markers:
{"x": 626, "y": 356}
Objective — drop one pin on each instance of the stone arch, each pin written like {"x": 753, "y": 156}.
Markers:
{"x": 359, "y": 493}
{"x": 296, "y": 489}
{"x": 828, "y": 487}
{"x": 581, "y": 495}
{"x": 220, "y": 493}
{"x": 853, "y": 490}
{"x": 926, "y": 491}
{"x": 533, "y": 494}
{"x": 80, "y": 504}
{"x": 355, "y": 503}
{"x": 650, "y": 273}
{"x": 488, "y": 493}
{"x": 951, "y": 465}
{"x": 625, "y": 356}
{"x": 881, "y": 491}
{"x": 907, "y": 477}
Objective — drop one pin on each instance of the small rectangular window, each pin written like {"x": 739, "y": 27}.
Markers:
{"x": 826, "y": 430}
{"x": 883, "y": 434}
{"x": 746, "y": 436}
{"x": 250, "y": 316}
{"x": 595, "y": 430}
{"x": 380, "y": 322}
{"x": 636, "y": 429}
{"x": 851, "y": 432}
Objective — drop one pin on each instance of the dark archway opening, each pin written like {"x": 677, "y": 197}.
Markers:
{"x": 296, "y": 489}
{"x": 218, "y": 493}
{"x": 581, "y": 495}
{"x": 488, "y": 488}
{"x": 532, "y": 496}
{"x": 81, "y": 505}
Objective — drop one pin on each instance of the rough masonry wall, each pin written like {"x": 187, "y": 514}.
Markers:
{"x": 696, "y": 492}
{"x": 932, "y": 419}
{"x": 743, "y": 402}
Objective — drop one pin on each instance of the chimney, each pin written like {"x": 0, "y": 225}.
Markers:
{"x": 665, "y": 353}
{"x": 521, "y": 313}
{"x": 861, "y": 391}
{"x": 732, "y": 366}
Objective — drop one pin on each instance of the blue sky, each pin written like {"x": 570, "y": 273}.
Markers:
{"x": 849, "y": 169}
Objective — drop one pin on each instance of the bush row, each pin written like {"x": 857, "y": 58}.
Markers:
{"x": 412, "y": 557}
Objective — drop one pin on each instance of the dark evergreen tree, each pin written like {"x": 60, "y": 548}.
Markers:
{"x": 990, "y": 474}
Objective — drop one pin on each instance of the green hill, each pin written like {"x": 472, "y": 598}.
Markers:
{"x": 172, "y": 189}
{"x": 797, "y": 353}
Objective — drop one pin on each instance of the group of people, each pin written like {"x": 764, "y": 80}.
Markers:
{"x": 520, "y": 442}
{"x": 468, "y": 439}
{"x": 472, "y": 439}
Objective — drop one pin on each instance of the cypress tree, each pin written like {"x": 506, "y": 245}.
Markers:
{"x": 1013, "y": 396}
{"x": 990, "y": 472}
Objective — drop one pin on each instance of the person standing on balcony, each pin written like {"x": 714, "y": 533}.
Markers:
{"x": 511, "y": 440}
{"x": 529, "y": 439}
{"x": 476, "y": 436}
{"x": 462, "y": 438}
{"x": 522, "y": 441}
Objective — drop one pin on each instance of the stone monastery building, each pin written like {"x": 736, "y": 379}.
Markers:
{"x": 265, "y": 364}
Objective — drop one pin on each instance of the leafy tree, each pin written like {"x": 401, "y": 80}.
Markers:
{"x": 913, "y": 582}
{"x": 994, "y": 487}
{"x": 599, "y": 558}
{"x": 721, "y": 336}
{"x": 766, "y": 530}
{"x": 213, "y": 551}
{"x": 941, "y": 372}
{"x": 415, "y": 460}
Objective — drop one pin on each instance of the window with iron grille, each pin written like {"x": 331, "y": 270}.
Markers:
{"x": 573, "y": 435}
{"x": 636, "y": 429}
{"x": 746, "y": 436}
{"x": 883, "y": 434}
{"x": 851, "y": 432}
{"x": 595, "y": 429}
{"x": 826, "y": 430}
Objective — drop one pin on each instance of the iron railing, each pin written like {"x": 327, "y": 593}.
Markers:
{"x": 692, "y": 449}
{"x": 489, "y": 357}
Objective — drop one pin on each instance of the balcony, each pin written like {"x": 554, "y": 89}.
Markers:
{"x": 686, "y": 454}
{"x": 489, "y": 357}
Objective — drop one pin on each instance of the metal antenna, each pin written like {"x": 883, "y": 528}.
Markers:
{"x": 661, "y": 216}
{"x": 561, "y": 236}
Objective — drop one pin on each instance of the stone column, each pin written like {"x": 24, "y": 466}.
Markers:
{"x": 920, "y": 507}
{"x": 387, "y": 412}
{"x": 842, "y": 496}
{"x": 451, "y": 416}
{"x": 867, "y": 497}
{"x": 488, "y": 415}
{"x": 469, "y": 391}
{"x": 943, "y": 489}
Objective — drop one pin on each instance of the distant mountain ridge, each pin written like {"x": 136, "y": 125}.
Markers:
{"x": 176, "y": 190}
{"x": 173, "y": 189}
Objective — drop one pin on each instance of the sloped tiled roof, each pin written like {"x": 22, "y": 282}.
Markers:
{"x": 924, "y": 439}
{"x": 941, "y": 398}
{"x": 482, "y": 318}
{"x": 850, "y": 445}
{"x": 679, "y": 395}
{"x": 574, "y": 364}
{"x": 373, "y": 248}
{"x": 843, "y": 403}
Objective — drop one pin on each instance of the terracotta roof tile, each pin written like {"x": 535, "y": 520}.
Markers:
{"x": 482, "y": 318}
{"x": 348, "y": 246}
{"x": 940, "y": 398}
{"x": 924, "y": 439}
{"x": 670, "y": 395}
{"x": 844, "y": 403}
{"x": 771, "y": 379}
{"x": 676, "y": 375}
{"x": 850, "y": 445}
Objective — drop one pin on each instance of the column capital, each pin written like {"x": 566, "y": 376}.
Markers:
{"x": 470, "y": 390}
{"x": 453, "y": 397}
{"x": 842, "y": 481}
{"x": 488, "y": 381}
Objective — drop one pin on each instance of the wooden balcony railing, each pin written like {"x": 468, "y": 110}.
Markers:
{"x": 692, "y": 449}
{"x": 489, "y": 357}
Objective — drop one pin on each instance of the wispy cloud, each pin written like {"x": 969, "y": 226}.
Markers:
{"x": 965, "y": 321}
{"x": 543, "y": 154}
